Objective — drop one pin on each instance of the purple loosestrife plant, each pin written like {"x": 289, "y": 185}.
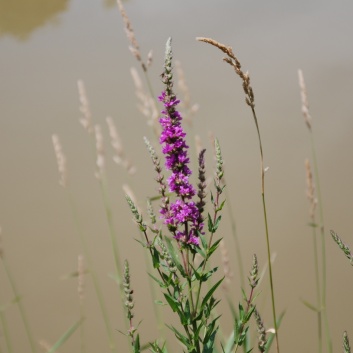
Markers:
{"x": 183, "y": 216}
{"x": 180, "y": 277}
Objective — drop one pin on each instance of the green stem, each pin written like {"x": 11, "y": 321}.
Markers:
{"x": 82, "y": 329}
{"x": 248, "y": 303}
{"x": 112, "y": 232}
{"x": 323, "y": 243}
{"x": 92, "y": 272}
{"x": 6, "y": 333}
{"x": 266, "y": 228}
{"x": 209, "y": 244}
{"x": 318, "y": 294}
{"x": 20, "y": 305}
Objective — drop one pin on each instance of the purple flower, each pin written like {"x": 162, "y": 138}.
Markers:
{"x": 182, "y": 213}
{"x": 183, "y": 217}
{"x": 175, "y": 148}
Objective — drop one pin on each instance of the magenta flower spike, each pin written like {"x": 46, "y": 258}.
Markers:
{"x": 183, "y": 215}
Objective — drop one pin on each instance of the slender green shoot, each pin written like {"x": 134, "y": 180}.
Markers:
{"x": 313, "y": 202}
{"x": 20, "y": 304}
{"x": 307, "y": 119}
{"x": 5, "y": 330}
{"x": 63, "y": 181}
{"x": 65, "y": 336}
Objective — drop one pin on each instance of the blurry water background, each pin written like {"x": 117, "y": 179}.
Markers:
{"x": 46, "y": 46}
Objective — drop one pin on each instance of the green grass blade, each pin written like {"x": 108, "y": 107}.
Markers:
{"x": 65, "y": 336}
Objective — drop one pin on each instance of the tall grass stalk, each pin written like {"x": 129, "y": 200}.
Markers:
{"x": 93, "y": 274}
{"x": 235, "y": 235}
{"x": 234, "y": 62}
{"x": 80, "y": 292}
{"x": 5, "y": 331}
{"x": 313, "y": 203}
{"x": 135, "y": 50}
{"x": 21, "y": 308}
{"x": 307, "y": 119}
{"x": 61, "y": 160}
{"x": 86, "y": 122}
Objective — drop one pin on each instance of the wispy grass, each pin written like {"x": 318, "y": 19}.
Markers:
{"x": 232, "y": 60}
{"x": 308, "y": 122}
{"x": 312, "y": 207}
{"x": 63, "y": 181}
{"x": 16, "y": 293}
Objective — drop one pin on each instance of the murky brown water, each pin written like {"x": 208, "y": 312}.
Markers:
{"x": 46, "y": 46}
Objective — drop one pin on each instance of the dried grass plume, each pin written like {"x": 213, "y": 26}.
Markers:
{"x": 232, "y": 60}
{"x": 304, "y": 99}
{"x": 61, "y": 160}
{"x": 86, "y": 119}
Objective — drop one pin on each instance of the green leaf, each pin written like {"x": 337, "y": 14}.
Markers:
{"x": 245, "y": 297}
{"x": 272, "y": 335}
{"x": 173, "y": 303}
{"x": 229, "y": 344}
{"x": 174, "y": 256}
{"x": 249, "y": 313}
{"x": 208, "y": 346}
{"x": 159, "y": 302}
{"x": 115, "y": 278}
{"x": 65, "y": 336}
{"x": 186, "y": 317}
{"x": 313, "y": 225}
{"x": 241, "y": 312}
{"x": 208, "y": 274}
{"x": 155, "y": 347}
{"x": 203, "y": 240}
{"x": 155, "y": 258}
{"x": 310, "y": 306}
{"x": 214, "y": 247}
{"x": 161, "y": 284}
{"x": 183, "y": 339}
{"x": 141, "y": 242}
{"x": 210, "y": 224}
{"x": 221, "y": 206}
{"x": 215, "y": 226}
{"x": 137, "y": 344}
{"x": 210, "y": 293}
{"x": 200, "y": 251}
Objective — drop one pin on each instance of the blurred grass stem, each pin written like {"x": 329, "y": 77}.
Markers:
{"x": 323, "y": 242}
{"x": 92, "y": 272}
{"x": 266, "y": 227}
{"x": 20, "y": 305}
{"x": 5, "y": 331}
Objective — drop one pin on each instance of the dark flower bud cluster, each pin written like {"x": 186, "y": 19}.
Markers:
{"x": 201, "y": 193}
{"x": 129, "y": 303}
{"x": 261, "y": 331}
{"x": 160, "y": 177}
